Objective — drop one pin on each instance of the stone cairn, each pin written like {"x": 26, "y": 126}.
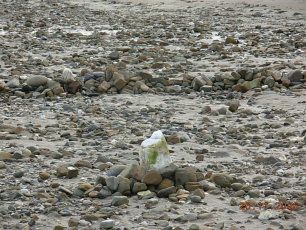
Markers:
{"x": 113, "y": 80}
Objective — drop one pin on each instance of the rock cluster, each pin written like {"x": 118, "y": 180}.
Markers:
{"x": 113, "y": 80}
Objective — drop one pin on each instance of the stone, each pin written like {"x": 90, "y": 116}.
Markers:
{"x": 67, "y": 76}
{"x": 199, "y": 192}
{"x": 58, "y": 90}
{"x": 166, "y": 192}
{"x": 116, "y": 170}
{"x": 83, "y": 163}
{"x": 114, "y": 55}
{"x": 247, "y": 85}
{"x": 269, "y": 81}
{"x": 119, "y": 81}
{"x": 36, "y": 81}
{"x": 222, "y": 110}
{"x": 104, "y": 87}
{"x": 151, "y": 203}
{"x": 146, "y": 194}
{"x": 206, "y": 110}
{"x": 107, "y": 224}
{"x": 2, "y": 165}
{"x": 124, "y": 185}
{"x": 104, "y": 192}
{"x": 112, "y": 183}
{"x": 73, "y": 222}
{"x": 152, "y": 177}
{"x": 200, "y": 81}
{"x": 168, "y": 171}
{"x": 5, "y": 156}
{"x": 72, "y": 172}
{"x": 221, "y": 179}
{"x": 233, "y": 105}
{"x": 236, "y": 186}
{"x": 67, "y": 171}
{"x": 119, "y": 200}
{"x": 268, "y": 215}
{"x": 44, "y": 175}
{"x": 133, "y": 171}
{"x": 195, "y": 199}
{"x": 191, "y": 186}
{"x": 73, "y": 87}
{"x": 3, "y": 86}
{"x": 138, "y": 187}
{"x": 194, "y": 227}
{"x": 254, "y": 193}
{"x": 182, "y": 176}
{"x": 231, "y": 40}
{"x": 18, "y": 174}
{"x": 165, "y": 183}
{"x": 295, "y": 76}
{"x": 85, "y": 186}
{"x": 13, "y": 83}
{"x": 144, "y": 87}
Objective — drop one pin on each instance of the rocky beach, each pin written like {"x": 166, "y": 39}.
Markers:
{"x": 84, "y": 82}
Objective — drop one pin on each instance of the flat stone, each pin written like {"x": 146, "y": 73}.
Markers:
{"x": 166, "y": 192}
{"x": 119, "y": 200}
{"x": 36, "y": 81}
{"x": 116, "y": 170}
{"x": 145, "y": 194}
{"x": 191, "y": 186}
{"x": 83, "y": 163}
{"x": 107, "y": 224}
{"x": 165, "y": 183}
{"x": 222, "y": 180}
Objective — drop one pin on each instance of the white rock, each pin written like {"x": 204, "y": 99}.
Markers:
{"x": 68, "y": 76}
{"x": 268, "y": 215}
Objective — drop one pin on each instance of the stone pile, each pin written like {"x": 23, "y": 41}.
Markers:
{"x": 176, "y": 183}
{"x": 115, "y": 80}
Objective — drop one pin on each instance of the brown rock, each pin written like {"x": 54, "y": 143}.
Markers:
{"x": 83, "y": 163}
{"x": 152, "y": 177}
{"x": 182, "y": 176}
{"x": 58, "y": 90}
{"x": 166, "y": 183}
{"x": 85, "y": 186}
{"x": 4, "y": 156}
{"x": 191, "y": 186}
{"x": 103, "y": 87}
{"x": 133, "y": 171}
{"x": 44, "y": 175}
{"x": 119, "y": 80}
{"x": 73, "y": 87}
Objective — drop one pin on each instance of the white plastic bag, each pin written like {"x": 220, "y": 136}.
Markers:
{"x": 154, "y": 153}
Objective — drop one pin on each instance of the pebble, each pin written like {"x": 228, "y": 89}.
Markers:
{"x": 107, "y": 224}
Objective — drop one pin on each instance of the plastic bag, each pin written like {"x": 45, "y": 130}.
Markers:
{"x": 154, "y": 153}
